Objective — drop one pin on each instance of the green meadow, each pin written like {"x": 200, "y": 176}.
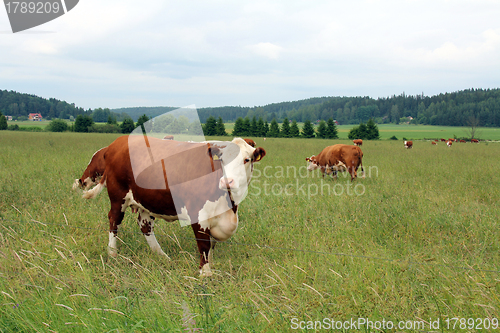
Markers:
{"x": 414, "y": 245}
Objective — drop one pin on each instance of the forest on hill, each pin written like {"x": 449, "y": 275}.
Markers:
{"x": 447, "y": 109}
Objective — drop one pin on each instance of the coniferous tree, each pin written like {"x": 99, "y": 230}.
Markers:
{"x": 127, "y": 126}
{"x": 372, "y": 130}
{"x": 220, "y": 128}
{"x": 142, "y": 119}
{"x": 247, "y": 127}
{"x": 285, "y": 128}
{"x": 260, "y": 127}
{"x": 274, "y": 130}
{"x": 308, "y": 129}
{"x": 294, "y": 130}
{"x": 238, "y": 129}
{"x": 57, "y": 125}
{"x": 322, "y": 130}
{"x": 331, "y": 129}
{"x": 82, "y": 123}
{"x": 112, "y": 120}
{"x": 210, "y": 128}
{"x": 266, "y": 129}
{"x": 253, "y": 127}
{"x": 3, "y": 122}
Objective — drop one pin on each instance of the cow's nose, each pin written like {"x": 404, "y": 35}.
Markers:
{"x": 226, "y": 183}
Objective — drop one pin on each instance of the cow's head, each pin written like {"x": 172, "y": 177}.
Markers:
{"x": 237, "y": 158}
{"x": 312, "y": 163}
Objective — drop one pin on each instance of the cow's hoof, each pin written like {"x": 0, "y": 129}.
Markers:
{"x": 164, "y": 254}
{"x": 112, "y": 252}
{"x": 205, "y": 271}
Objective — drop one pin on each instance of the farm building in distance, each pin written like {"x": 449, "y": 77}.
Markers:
{"x": 35, "y": 117}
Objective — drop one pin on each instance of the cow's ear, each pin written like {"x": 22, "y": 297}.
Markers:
{"x": 308, "y": 159}
{"x": 214, "y": 151}
{"x": 258, "y": 154}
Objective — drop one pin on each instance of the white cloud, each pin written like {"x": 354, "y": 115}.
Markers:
{"x": 267, "y": 50}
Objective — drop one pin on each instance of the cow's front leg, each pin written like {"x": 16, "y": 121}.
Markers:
{"x": 115, "y": 216}
{"x": 204, "y": 247}
{"x": 147, "y": 223}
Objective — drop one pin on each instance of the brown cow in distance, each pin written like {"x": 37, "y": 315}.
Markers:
{"x": 462, "y": 141}
{"x": 474, "y": 140}
{"x": 93, "y": 172}
{"x": 434, "y": 143}
{"x": 443, "y": 140}
{"x": 175, "y": 180}
{"x": 168, "y": 137}
{"x": 338, "y": 158}
{"x": 408, "y": 144}
{"x": 358, "y": 142}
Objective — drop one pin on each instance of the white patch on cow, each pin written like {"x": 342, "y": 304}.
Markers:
{"x": 143, "y": 219}
{"x": 184, "y": 218}
{"x": 340, "y": 166}
{"x": 91, "y": 194}
{"x": 112, "y": 248}
{"x": 76, "y": 184}
{"x": 129, "y": 201}
{"x": 219, "y": 218}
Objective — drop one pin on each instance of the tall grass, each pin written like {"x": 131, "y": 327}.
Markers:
{"x": 420, "y": 243}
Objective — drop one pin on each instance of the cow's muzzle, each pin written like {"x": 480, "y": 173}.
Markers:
{"x": 226, "y": 183}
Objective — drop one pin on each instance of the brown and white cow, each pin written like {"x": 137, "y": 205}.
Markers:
{"x": 449, "y": 143}
{"x": 474, "y": 140}
{"x": 94, "y": 171}
{"x": 250, "y": 142}
{"x": 358, "y": 142}
{"x": 198, "y": 183}
{"x": 338, "y": 158}
{"x": 408, "y": 144}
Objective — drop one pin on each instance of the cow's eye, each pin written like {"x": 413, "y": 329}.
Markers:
{"x": 247, "y": 160}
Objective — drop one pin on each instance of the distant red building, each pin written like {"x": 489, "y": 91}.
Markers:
{"x": 35, "y": 117}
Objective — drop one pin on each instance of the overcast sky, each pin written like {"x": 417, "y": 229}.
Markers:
{"x": 121, "y": 53}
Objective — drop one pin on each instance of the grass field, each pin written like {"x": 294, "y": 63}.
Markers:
{"x": 415, "y": 242}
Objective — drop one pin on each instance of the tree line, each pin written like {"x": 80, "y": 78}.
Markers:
{"x": 448, "y": 109}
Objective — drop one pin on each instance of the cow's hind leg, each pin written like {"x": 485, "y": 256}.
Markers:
{"x": 146, "y": 223}
{"x": 115, "y": 218}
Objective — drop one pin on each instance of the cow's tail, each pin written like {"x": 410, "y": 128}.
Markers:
{"x": 91, "y": 194}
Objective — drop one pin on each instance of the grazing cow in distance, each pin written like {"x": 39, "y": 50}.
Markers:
{"x": 358, "y": 142}
{"x": 443, "y": 140}
{"x": 337, "y": 158}
{"x": 474, "y": 140}
{"x": 250, "y": 142}
{"x": 462, "y": 141}
{"x": 434, "y": 143}
{"x": 94, "y": 171}
{"x": 408, "y": 144}
{"x": 168, "y": 137}
{"x": 449, "y": 143}
{"x": 175, "y": 180}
